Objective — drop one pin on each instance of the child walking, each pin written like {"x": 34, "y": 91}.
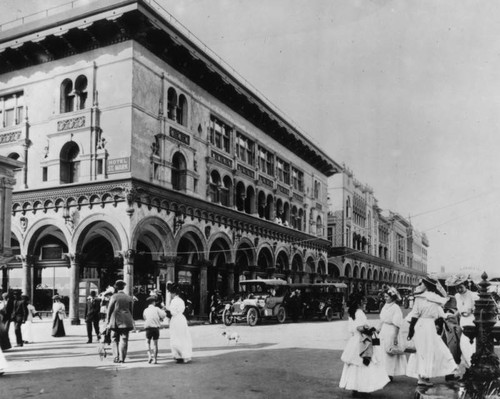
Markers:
{"x": 153, "y": 316}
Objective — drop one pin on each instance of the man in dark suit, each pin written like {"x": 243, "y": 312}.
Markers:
{"x": 119, "y": 319}
{"x": 18, "y": 316}
{"x": 92, "y": 315}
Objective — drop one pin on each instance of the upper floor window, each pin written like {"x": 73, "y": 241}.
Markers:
{"x": 297, "y": 179}
{"x": 219, "y": 134}
{"x": 317, "y": 189}
{"x": 73, "y": 96}
{"x": 266, "y": 161}
{"x": 179, "y": 172}
{"x": 69, "y": 163}
{"x": 177, "y": 107}
{"x": 283, "y": 170}
{"x": 245, "y": 149}
{"x": 11, "y": 109}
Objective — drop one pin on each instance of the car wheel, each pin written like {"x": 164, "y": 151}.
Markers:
{"x": 329, "y": 313}
{"x": 281, "y": 316}
{"x": 227, "y": 317}
{"x": 252, "y": 317}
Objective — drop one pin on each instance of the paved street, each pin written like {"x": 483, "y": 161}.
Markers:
{"x": 271, "y": 361}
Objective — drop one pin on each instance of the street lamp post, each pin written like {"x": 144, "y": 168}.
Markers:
{"x": 482, "y": 378}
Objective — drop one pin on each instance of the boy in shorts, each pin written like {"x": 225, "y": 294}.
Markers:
{"x": 153, "y": 316}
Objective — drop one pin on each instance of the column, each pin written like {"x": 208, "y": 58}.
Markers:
{"x": 230, "y": 278}
{"x": 203, "y": 289}
{"x": 74, "y": 261}
{"x": 27, "y": 264}
{"x": 128, "y": 270}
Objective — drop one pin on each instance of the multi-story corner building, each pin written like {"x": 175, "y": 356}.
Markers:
{"x": 8, "y": 168}
{"x": 148, "y": 159}
{"x": 370, "y": 247}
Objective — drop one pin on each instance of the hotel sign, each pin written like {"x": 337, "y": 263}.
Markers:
{"x": 119, "y": 165}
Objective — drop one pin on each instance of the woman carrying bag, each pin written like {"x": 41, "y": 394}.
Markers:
{"x": 391, "y": 318}
{"x": 363, "y": 370}
{"x": 432, "y": 357}
{"x": 58, "y": 315}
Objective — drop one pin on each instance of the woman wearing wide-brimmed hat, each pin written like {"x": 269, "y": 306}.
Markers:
{"x": 58, "y": 316}
{"x": 465, "y": 311}
{"x": 432, "y": 357}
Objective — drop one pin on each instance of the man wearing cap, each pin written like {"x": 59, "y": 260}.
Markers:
{"x": 153, "y": 317}
{"x": 119, "y": 319}
{"x": 92, "y": 315}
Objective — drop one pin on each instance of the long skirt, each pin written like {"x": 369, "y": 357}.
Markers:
{"x": 358, "y": 377}
{"x": 466, "y": 346}
{"x": 58, "y": 328}
{"x": 393, "y": 356}
{"x": 4, "y": 337}
{"x": 3, "y": 363}
{"x": 432, "y": 357}
{"x": 180, "y": 338}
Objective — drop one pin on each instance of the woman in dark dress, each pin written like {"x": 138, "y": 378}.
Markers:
{"x": 4, "y": 322}
{"x": 58, "y": 315}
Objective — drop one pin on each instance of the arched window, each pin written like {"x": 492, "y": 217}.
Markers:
{"x": 250, "y": 200}
{"x": 347, "y": 207}
{"x": 69, "y": 163}
{"x": 14, "y": 155}
{"x": 179, "y": 170}
{"x": 81, "y": 91}
{"x": 226, "y": 191}
{"x": 261, "y": 204}
{"x": 215, "y": 186}
{"x": 300, "y": 220}
{"x": 172, "y": 104}
{"x": 182, "y": 110}
{"x": 295, "y": 223}
{"x": 67, "y": 96}
{"x": 240, "y": 196}
{"x": 269, "y": 207}
{"x": 319, "y": 226}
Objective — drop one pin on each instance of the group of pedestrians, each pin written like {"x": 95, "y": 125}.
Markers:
{"x": 375, "y": 354}
{"x": 120, "y": 322}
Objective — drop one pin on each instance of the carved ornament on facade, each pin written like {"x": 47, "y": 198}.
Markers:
{"x": 69, "y": 124}
{"x": 9, "y": 137}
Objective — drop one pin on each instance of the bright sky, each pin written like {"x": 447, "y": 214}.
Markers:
{"x": 405, "y": 93}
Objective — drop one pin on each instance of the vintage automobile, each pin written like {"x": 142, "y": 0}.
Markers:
{"x": 323, "y": 300}
{"x": 374, "y": 301}
{"x": 258, "y": 300}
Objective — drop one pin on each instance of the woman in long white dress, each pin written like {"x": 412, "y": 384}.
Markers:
{"x": 391, "y": 318}
{"x": 432, "y": 357}
{"x": 466, "y": 301}
{"x": 180, "y": 338}
{"x": 363, "y": 370}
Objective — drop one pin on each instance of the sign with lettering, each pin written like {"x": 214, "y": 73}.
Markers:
{"x": 222, "y": 159}
{"x": 182, "y": 137}
{"x": 119, "y": 165}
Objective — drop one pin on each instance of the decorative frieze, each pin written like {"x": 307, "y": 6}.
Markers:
{"x": 298, "y": 197}
{"x": 266, "y": 181}
{"x": 221, "y": 159}
{"x": 69, "y": 124}
{"x": 179, "y": 136}
{"x": 246, "y": 171}
{"x": 283, "y": 190}
{"x": 9, "y": 137}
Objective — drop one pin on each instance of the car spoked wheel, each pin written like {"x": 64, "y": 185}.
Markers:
{"x": 227, "y": 317}
{"x": 281, "y": 316}
{"x": 252, "y": 317}
{"x": 329, "y": 313}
